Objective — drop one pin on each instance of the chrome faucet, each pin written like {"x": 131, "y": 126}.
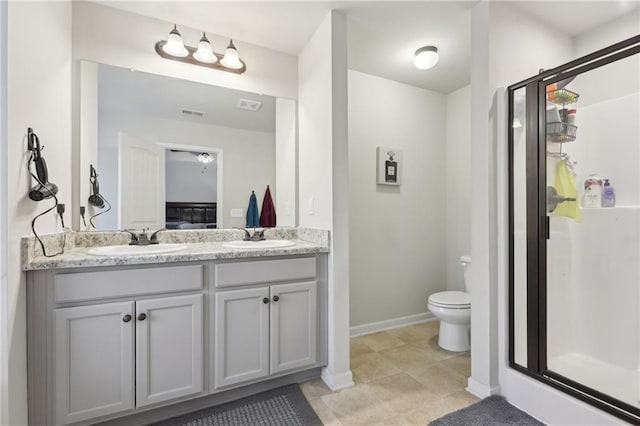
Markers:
{"x": 134, "y": 237}
{"x": 142, "y": 239}
{"x": 258, "y": 235}
{"x": 154, "y": 237}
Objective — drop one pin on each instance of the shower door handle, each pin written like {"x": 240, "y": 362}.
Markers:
{"x": 546, "y": 222}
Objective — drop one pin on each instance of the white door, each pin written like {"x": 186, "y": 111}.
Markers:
{"x": 141, "y": 183}
{"x": 293, "y": 326}
{"x": 169, "y": 345}
{"x": 242, "y": 336}
{"x": 93, "y": 372}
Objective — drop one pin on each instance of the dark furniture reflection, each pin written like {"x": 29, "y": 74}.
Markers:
{"x": 191, "y": 215}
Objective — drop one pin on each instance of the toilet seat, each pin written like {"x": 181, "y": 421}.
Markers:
{"x": 451, "y": 300}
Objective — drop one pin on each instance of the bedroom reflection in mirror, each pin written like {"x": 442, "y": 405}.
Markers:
{"x": 191, "y": 189}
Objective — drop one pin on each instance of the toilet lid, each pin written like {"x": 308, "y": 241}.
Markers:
{"x": 451, "y": 298}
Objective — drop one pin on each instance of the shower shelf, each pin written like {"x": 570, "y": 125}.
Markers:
{"x": 561, "y": 132}
{"x": 562, "y": 97}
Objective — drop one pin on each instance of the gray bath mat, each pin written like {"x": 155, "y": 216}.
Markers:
{"x": 285, "y": 406}
{"x": 491, "y": 411}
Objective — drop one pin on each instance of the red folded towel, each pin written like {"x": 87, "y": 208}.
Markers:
{"x": 268, "y": 212}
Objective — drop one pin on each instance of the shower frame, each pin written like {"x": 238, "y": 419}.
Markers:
{"x": 537, "y": 227}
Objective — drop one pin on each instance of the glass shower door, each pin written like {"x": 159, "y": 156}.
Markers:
{"x": 591, "y": 136}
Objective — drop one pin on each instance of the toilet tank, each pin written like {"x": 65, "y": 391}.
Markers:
{"x": 465, "y": 262}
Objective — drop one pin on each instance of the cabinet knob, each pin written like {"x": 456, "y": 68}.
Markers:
{"x": 126, "y": 318}
{"x": 276, "y": 298}
{"x": 142, "y": 317}
{"x": 265, "y": 300}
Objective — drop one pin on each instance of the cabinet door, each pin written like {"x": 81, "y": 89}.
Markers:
{"x": 293, "y": 326}
{"x": 242, "y": 336}
{"x": 93, "y": 373}
{"x": 169, "y": 345}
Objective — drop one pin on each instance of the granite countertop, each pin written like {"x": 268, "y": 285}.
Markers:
{"x": 200, "y": 246}
{"x": 79, "y": 257}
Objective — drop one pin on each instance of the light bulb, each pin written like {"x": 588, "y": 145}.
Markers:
{"x": 205, "y": 52}
{"x": 205, "y": 158}
{"x": 231, "y": 58}
{"x": 426, "y": 57}
{"x": 174, "y": 45}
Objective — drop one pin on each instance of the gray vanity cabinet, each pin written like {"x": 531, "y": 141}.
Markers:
{"x": 293, "y": 326}
{"x": 169, "y": 345}
{"x": 97, "y": 368}
{"x": 129, "y": 344}
{"x": 94, "y": 362}
{"x": 113, "y": 340}
{"x": 266, "y": 319}
{"x": 241, "y": 336}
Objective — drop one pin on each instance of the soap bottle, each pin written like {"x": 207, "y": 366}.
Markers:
{"x": 592, "y": 198}
{"x": 608, "y": 195}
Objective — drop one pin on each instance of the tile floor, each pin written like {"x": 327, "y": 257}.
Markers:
{"x": 401, "y": 376}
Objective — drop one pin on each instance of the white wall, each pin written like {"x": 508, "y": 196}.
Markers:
{"x": 396, "y": 233}
{"x": 4, "y": 246}
{"x": 38, "y": 96}
{"x": 248, "y": 158}
{"x": 323, "y": 174}
{"x": 458, "y": 184}
{"x": 98, "y": 37}
{"x": 189, "y": 182}
{"x": 286, "y": 199}
{"x": 519, "y": 46}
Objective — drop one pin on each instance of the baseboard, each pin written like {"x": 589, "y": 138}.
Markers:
{"x": 336, "y": 381}
{"x": 374, "y": 327}
{"x": 480, "y": 390}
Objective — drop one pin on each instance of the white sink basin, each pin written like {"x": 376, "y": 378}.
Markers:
{"x": 127, "y": 250}
{"x": 258, "y": 244}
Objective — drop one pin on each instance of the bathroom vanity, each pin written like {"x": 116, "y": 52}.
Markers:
{"x": 136, "y": 339}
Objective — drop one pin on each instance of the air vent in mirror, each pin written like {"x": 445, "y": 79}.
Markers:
{"x": 249, "y": 104}
{"x": 193, "y": 113}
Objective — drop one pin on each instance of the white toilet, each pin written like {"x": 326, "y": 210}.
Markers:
{"x": 453, "y": 309}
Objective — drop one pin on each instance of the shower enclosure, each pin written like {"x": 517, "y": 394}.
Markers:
{"x": 574, "y": 165}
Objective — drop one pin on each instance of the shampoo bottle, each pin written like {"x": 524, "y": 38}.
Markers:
{"x": 608, "y": 195}
{"x": 592, "y": 198}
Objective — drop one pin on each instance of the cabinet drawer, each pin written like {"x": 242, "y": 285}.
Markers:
{"x": 80, "y": 286}
{"x": 264, "y": 271}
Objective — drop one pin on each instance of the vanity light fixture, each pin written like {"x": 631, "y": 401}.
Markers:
{"x": 174, "y": 45}
{"x": 173, "y": 48}
{"x": 231, "y": 58}
{"x": 204, "y": 53}
{"x": 426, "y": 57}
{"x": 205, "y": 158}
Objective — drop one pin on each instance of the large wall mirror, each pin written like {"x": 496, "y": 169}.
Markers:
{"x": 160, "y": 152}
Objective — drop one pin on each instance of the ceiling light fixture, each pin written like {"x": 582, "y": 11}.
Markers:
{"x": 426, "y": 57}
{"x": 205, "y": 158}
{"x": 173, "y": 48}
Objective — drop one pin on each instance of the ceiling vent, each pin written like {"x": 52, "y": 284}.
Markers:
{"x": 192, "y": 113}
{"x": 249, "y": 104}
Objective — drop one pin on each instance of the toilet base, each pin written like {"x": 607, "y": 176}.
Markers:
{"x": 454, "y": 337}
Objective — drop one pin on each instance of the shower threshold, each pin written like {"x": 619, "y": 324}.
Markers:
{"x": 616, "y": 381}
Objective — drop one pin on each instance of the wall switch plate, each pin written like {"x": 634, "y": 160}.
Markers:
{"x": 236, "y": 212}
{"x": 311, "y": 206}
